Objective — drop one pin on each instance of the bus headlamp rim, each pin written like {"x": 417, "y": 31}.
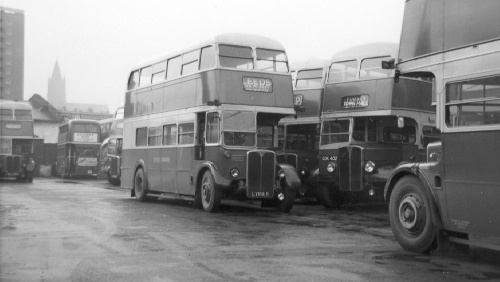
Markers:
{"x": 234, "y": 172}
{"x": 369, "y": 166}
{"x": 330, "y": 167}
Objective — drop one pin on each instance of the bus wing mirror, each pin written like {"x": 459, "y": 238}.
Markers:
{"x": 389, "y": 64}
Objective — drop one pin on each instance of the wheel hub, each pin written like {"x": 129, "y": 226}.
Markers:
{"x": 205, "y": 190}
{"x": 409, "y": 212}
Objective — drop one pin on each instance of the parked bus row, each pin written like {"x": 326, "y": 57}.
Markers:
{"x": 227, "y": 119}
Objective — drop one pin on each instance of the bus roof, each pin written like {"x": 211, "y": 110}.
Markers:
{"x": 435, "y": 26}
{"x": 359, "y": 52}
{"x": 225, "y": 38}
{"x": 309, "y": 64}
{"x": 15, "y": 105}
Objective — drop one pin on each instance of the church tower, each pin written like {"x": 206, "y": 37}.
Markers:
{"x": 56, "y": 94}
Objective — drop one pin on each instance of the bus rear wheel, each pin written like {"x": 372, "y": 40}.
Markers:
{"x": 410, "y": 216}
{"x": 140, "y": 185}
{"x": 210, "y": 195}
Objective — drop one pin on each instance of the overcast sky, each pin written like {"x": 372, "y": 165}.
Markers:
{"x": 97, "y": 42}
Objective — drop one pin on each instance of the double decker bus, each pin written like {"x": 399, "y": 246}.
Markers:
{"x": 16, "y": 140}
{"x": 454, "y": 195}
{"x": 370, "y": 124}
{"x": 300, "y": 133}
{"x": 110, "y": 151}
{"x": 201, "y": 124}
{"x": 77, "y": 148}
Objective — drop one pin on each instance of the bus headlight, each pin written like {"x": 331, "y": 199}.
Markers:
{"x": 331, "y": 167}
{"x": 369, "y": 166}
{"x": 234, "y": 172}
{"x": 281, "y": 173}
{"x": 304, "y": 172}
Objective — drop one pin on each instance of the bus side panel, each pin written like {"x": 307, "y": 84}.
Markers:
{"x": 154, "y": 169}
{"x": 185, "y": 159}
{"x": 472, "y": 182}
{"x": 169, "y": 169}
{"x": 181, "y": 94}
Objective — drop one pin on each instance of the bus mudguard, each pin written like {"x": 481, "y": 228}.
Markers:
{"x": 415, "y": 169}
{"x": 291, "y": 176}
{"x": 220, "y": 181}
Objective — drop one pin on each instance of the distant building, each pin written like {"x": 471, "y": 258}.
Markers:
{"x": 47, "y": 119}
{"x": 56, "y": 96}
{"x": 85, "y": 111}
{"x": 11, "y": 54}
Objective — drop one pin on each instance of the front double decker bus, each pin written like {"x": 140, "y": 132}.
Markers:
{"x": 299, "y": 134}
{"x": 78, "y": 148}
{"x": 201, "y": 124}
{"x": 453, "y": 195}
{"x": 16, "y": 140}
{"x": 370, "y": 124}
{"x": 110, "y": 152}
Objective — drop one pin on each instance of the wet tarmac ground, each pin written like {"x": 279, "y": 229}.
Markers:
{"x": 89, "y": 230}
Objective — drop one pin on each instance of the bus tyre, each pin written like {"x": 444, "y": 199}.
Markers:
{"x": 328, "y": 195}
{"x": 140, "y": 185}
{"x": 410, "y": 216}
{"x": 286, "y": 204}
{"x": 210, "y": 196}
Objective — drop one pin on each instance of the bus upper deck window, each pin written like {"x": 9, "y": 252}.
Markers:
{"x": 174, "y": 68}
{"x": 190, "y": 62}
{"x": 6, "y": 114}
{"x": 159, "y": 72}
{"x": 133, "y": 80}
{"x": 309, "y": 78}
{"x": 343, "y": 71}
{"x": 22, "y": 115}
{"x": 145, "y": 78}
{"x": 207, "y": 58}
{"x": 271, "y": 60}
{"x": 236, "y": 57}
{"x": 372, "y": 68}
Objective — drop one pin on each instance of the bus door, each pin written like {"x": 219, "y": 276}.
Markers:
{"x": 169, "y": 157}
{"x": 185, "y": 157}
{"x": 154, "y": 157}
{"x": 471, "y": 180}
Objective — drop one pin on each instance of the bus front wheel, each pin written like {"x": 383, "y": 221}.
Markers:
{"x": 286, "y": 204}
{"x": 210, "y": 196}
{"x": 140, "y": 185}
{"x": 410, "y": 216}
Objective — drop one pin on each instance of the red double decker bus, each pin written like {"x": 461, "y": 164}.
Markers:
{"x": 370, "y": 124}
{"x": 201, "y": 124}
{"x": 111, "y": 148}
{"x": 16, "y": 140}
{"x": 77, "y": 148}
{"x": 300, "y": 133}
{"x": 454, "y": 194}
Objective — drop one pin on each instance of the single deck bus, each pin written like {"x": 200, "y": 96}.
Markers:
{"x": 455, "y": 193}
{"x": 16, "y": 140}
{"x": 299, "y": 134}
{"x": 201, "y": 124}
{"x": 110, "y": 151}
{"x": 77, "y": 148}
{"x": 370, "y": 124}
